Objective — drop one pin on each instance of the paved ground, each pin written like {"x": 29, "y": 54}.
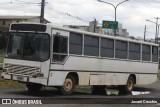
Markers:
{"x": 152, "y": 91}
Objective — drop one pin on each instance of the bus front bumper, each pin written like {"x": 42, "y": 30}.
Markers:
{"x": 20, "y": 78}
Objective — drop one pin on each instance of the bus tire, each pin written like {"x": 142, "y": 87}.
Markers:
{"x": 128, "y": 88}
{"x": 33, "y": 87}
{"x": 68, "y": 86}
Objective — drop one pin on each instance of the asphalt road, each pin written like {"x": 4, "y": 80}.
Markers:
{"x": 53, "y": 98}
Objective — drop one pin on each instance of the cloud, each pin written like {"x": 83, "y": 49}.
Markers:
{"x": 132, "y": 14}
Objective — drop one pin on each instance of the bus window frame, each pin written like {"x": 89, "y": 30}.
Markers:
{"x": 100, "y": 57}
{"x": 52, "y": 53}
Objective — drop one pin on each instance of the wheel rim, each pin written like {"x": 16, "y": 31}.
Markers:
{"x": 130, "y": 85}
{"x": 68, "y": 84}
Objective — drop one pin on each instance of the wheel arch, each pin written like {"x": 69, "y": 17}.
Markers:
{"x": 75, "y": 76}
{"x": 134, "y": 77}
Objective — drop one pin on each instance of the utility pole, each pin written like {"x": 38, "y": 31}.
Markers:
{"x": 42, "y": 11}
{"x": 158, "y": 33}
{"x": 145, "y": 33}
{"x": 95, "y": 25}
{"x": 157, "y": 28}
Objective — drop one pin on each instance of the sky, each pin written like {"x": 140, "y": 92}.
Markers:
{"x": 132, "y": 14}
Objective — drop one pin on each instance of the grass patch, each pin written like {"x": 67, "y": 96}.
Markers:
{"x": 83, "y": 90}
{"x": 2, "y": 54}
{"x": 7, "y": 84}
{"x": 112, "y": 92}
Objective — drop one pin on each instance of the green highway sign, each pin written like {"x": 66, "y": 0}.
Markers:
{"x": 109, "y": 24}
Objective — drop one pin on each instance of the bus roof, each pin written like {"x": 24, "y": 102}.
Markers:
{"x": 90, "y": 33}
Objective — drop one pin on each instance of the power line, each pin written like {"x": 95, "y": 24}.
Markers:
{"x": 67, "y": 14}
{"x": 51, "y": 13}
{"x": 20, "y": 2}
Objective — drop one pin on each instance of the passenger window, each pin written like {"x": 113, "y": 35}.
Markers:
{"x": 146, "y": 52}
{"x": 155, "y": 54}
{"x": 75, "y": 43}
{"x": 107, "y": 47}
{"x": 91, "y": 45}
{"x": 134, "y": 51}
{"x": 121, "y": 49}
{"x": 59, "y": 48}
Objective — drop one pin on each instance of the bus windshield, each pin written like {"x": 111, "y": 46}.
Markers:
{"x": 28, "y": 46}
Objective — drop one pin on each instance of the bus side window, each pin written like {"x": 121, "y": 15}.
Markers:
{"x": 75, "y": 43}
{"x": 121, "y": 49}
{"x": 107, "y": 47}
{"x": 59, "y": 48}
{"x": 146, "y": 52}
{"x": 155, "y": 54}
{"x": 91, "y": 45}
{"x": 134, "y": 51}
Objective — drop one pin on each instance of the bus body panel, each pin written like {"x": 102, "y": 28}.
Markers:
{"x": 56, "y": 78}
{"x": 146, "y": 79}
{"x": 27, "y": 66}
{"x": 107, "y": 71}
{"x": 91, "y": 64}
{"x": 84, "y": 78}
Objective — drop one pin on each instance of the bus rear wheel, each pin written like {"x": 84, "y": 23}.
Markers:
{"x": 68, "y": 86}
{"x": 128, "y": 88}
{"x": 33, "y": 87}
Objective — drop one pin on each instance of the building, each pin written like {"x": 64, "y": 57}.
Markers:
{"x": 98, "y": 29}
{"x": 5, "y": 21}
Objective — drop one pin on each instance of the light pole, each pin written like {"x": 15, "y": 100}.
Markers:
{"x": 115, "y": 8}
{"x": 157, "y": 31}
{"x": 158, "y": 25}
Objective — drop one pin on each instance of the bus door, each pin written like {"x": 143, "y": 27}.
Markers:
{"x": 59, "y": 56}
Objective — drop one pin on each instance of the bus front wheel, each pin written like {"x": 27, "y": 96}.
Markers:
{"x": 68, "y": 86}
{"x": 33, "y": 87}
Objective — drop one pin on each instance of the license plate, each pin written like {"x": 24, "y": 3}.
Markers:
{"x": 20, "y": 78}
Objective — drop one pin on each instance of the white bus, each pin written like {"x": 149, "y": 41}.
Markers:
{"x": 43, "y": 55}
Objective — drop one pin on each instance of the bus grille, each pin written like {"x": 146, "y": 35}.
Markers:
{"x": 21, "y": 70}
